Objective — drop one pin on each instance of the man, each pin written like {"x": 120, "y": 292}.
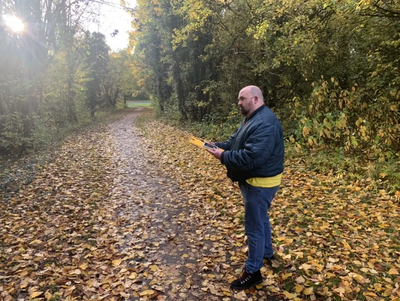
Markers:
{"x": 253, "y": 156}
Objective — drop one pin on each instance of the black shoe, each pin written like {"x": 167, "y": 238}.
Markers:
{"x": 247, "y": 280}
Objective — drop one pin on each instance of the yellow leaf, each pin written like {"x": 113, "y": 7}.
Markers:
{"x": 308, "y": 291}
{"x": 298, "y": 288}
{"x": 240, "y": 296}
{"x": 378, "y": 287}
{"x": 24, "y": 283}
{"x": 116, "y": 262}
{"x": 336, "y": 268}
{"x": 300, "y": 279}
{"x": 289, "y": 295}
{"x": 132, "y": 275}
{"x": 146, "y": 293}
{"x": 393, "y": 271}
{"x": 185, "y": 256}
{"x": 289, "y": 241}
{"x": 36, "y": 241}
{"x": 359, "y": 278}
{"x": 83, "y": 266}
{"x": 48, "y": 295}
{"x": 286, "y": 276}
{"x": 35, "y": 294}
{"x": 346, "y": 245}
{"x": 92, "y": 283}
{"x": 128, "y": 283}
{"x": 305, "y": 266}
{"x": 339, "y": 290}
{"x": 153, "y": 268}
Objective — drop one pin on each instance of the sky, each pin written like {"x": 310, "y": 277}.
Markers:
{"x": 111, "y": 17}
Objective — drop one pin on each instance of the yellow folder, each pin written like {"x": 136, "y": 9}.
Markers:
{"x": 198, "y": 142}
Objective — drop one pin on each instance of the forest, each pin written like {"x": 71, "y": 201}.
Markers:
{"x": 102, "y": 200}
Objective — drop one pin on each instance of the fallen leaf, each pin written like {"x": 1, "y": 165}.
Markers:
{"x": 116, "y": 262}
{"x": 308, "y": 291}
{"x": 289, "y": 296}
{"x": 146, "y": 293}
{"x": 35, "y": 294}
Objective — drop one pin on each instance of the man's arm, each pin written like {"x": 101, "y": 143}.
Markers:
{"x": 258, "y": 148}
{"x": 222, "y": 145}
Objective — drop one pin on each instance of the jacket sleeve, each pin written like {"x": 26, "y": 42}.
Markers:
{"x": 258, "y": 148}
{"x": 227, "y": 144}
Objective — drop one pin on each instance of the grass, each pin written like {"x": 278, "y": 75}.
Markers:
{"x": 138, "y": 103}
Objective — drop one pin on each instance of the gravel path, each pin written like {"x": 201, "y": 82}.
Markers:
{"x": 149, "y": 197}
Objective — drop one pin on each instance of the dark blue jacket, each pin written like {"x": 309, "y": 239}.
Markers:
{"x": 256, "y": 149}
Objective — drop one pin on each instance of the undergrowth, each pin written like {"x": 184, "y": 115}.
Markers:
{"x": 334, "y": 162}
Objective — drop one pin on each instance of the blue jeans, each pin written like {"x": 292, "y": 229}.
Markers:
{"x": 257, "y": 201}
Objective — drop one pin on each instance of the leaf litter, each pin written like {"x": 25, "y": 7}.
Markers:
{"x": 133, "y": 212}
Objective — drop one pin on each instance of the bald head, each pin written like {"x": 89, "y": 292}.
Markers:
{"x": 250, "y": 99}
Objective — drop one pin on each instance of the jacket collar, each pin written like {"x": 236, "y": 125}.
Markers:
{"x": 254, "y": 113}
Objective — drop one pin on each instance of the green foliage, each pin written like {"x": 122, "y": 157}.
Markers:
{"x": 47, "y": 132}
{"x": 96, "y": 64}
{"x": 349, "y": 119}
{"x": 329, "y": 69}
{"x": 336, "y": 163}
{"x": 12, "y": 137}
{"x": 138, "y": 103}
{"x": 219, "y": 127}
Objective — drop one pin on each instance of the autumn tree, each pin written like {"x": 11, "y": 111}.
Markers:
{"x": 24, "y": 58}
{"x": 150, "y": 68}
{"x": 50, "y": 74}
{"x": 96, "y": 51}
{"x": 309, "y": 58}
{"x": 119, "y": 82}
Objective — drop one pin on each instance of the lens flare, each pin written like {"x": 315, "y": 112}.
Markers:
{"x": 14, "y": 23}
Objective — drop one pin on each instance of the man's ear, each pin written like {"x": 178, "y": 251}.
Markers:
{"x": 255, "y": 99}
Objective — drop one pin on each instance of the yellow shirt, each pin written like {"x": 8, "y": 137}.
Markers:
{"x": 265, "y": 182}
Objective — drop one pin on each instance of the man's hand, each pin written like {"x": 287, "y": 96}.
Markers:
{"x": 216, "y": 153}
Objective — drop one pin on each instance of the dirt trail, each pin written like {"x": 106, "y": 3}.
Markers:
{"x": 151, "y": 200}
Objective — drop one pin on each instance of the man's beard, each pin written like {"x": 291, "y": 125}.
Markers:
{"x": 243, "y": 111}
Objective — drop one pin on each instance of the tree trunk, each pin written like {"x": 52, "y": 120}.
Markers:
{"x": 179, "y": 87}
